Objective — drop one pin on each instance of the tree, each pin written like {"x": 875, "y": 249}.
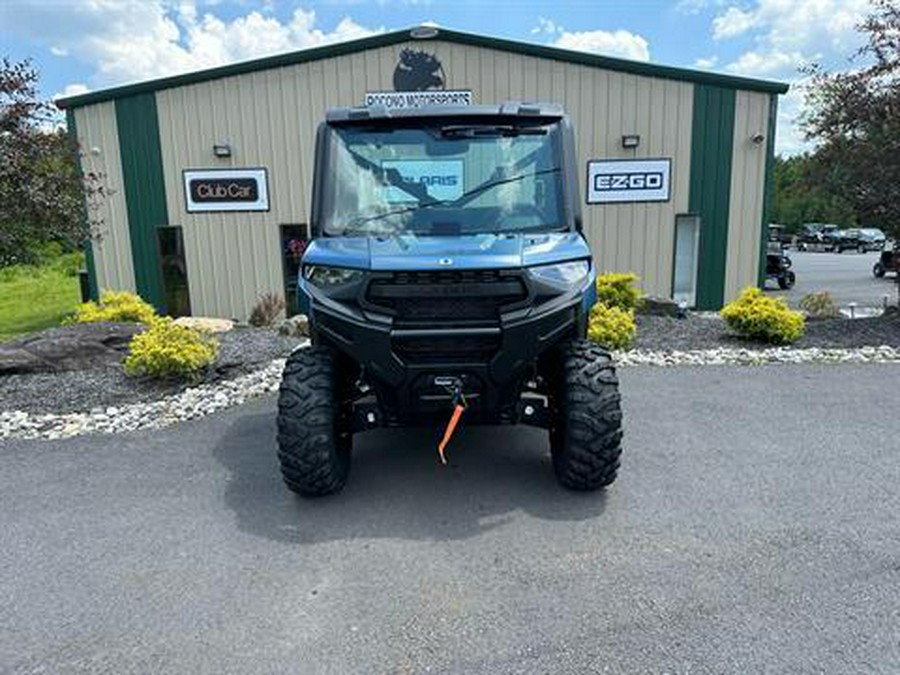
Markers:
{"x": 802, "y": 197}
{"x": 42, "y": 196}
{"x": 855, "y": 117}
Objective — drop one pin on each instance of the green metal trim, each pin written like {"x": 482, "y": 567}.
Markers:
{"x": 145, "y": 192}
{"x": 401, "y": 36}
{"x": 72, "y": 132}
{"x": 768, "y": 187}
{"x": 712, "y": 145}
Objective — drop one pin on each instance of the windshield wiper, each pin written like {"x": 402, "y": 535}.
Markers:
{"x": 462, "y": 200}
{"x": 475, "y": 130}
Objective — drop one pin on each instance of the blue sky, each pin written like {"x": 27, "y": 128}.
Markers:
{"x": 81, "y": 45}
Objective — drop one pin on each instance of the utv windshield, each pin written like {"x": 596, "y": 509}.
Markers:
{"x": 449, "y": 179}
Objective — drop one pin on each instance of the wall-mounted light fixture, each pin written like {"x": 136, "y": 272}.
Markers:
{"x": 631, "y": 141}
{"x": 222, "y": 150}
{"x": 757, "y": 138}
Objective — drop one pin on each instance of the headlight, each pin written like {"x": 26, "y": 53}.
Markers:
{"x": 325, "y": 277}
{"x": 567, "y": 273}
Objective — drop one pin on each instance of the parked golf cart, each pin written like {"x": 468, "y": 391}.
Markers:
{"x": 889, "y": 261}
{"x": 778, "y": 265}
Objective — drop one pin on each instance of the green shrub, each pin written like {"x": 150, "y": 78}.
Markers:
{"x": 819, "y": 305}
{"x": 757, "y": 316}
{"x": 611, "y": 327}
{"x": 169, "y": 350}
{"x": 116, "y": 306}
{"x": 617, "y": 290}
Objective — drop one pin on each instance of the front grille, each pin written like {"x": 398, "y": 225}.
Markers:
{"x": 456, "y": 349}
{"x": 459, "y": 297}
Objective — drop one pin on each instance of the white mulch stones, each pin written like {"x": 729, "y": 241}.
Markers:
{"x": 208, "y": 398}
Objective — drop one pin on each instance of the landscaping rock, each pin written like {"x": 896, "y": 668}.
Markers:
{"x": 295, "y": 326}
{"x": 206, "y": 323}
{"x": 15, "y": 360}
{"x": 76, "y": 347}
{"x": 659, "y": 306}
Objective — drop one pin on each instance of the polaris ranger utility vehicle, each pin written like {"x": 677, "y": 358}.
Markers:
{"x": 447, "y": 279}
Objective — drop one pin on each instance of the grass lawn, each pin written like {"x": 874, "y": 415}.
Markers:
{"x": 33, "y": 298}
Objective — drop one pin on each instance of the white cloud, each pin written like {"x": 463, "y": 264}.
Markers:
{"x": 706, "y": 62}
{"x": 733, "y": 22}
{"x": 789, "y": 138}
{"x": 546, "y": 26}
{"x": 696, "y": 6}
{"x": 785, "y": 35}
{"x": 796, "y": 25}
{"x": 58, "y": 51}
{"x": 761, "y": 64}
{"x": 611, "y": 43}
{"x": 75, "y": 89}
{"x": 143, "y": 39}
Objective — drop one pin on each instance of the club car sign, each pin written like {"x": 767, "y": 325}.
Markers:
{"x": 614, "y": 181}
{"x": 226, "y": 190}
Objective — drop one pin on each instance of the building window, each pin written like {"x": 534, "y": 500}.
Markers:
{"x": 687, "y": 249}
{"x": 174, "y": 270}
{"x": 293, "y": 243}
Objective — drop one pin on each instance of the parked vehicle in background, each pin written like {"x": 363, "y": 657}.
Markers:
{"x": 816, "y": 237}
{"x": 888, "y": 261}
{"x": 846, "y": 240}
{"x": 872, "y": 239}
{"x": 778, "y": 235}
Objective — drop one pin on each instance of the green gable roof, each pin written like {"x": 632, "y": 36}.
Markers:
{"x": 402, "y": 36}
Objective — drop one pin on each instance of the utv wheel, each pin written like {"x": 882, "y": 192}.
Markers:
{"x": 878, "y": 270}
{"x": 586, "y": 440}
{"x": 787, "y": 280}
{"x": 313, "y": 439}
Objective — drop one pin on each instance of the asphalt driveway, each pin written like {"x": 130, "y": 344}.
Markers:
{"x": 846, "y": 276}
{"x": 754, "y": 528}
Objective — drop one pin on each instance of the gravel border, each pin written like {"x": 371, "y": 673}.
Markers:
{"x": 203, "y": 400}
{"x": 242, "y": 351}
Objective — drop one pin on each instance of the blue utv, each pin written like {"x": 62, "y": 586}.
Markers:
{"x": 448, "y": 279}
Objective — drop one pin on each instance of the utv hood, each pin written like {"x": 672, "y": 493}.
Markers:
{"x": 480, "y": 251}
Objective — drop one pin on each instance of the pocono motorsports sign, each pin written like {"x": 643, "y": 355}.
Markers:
{"x": 613, "y": 181}
{"x": 226, "y": 190}
{"x": 393, "y": 100}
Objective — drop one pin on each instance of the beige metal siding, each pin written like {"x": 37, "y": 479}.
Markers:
{"x": 748, "y": 169}
{"x": 269, "y": 118}
{"x": 98, "y": 139}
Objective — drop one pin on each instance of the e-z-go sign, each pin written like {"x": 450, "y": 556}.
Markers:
{"x": 611, "y": 181}
{"x": 226, "y": 190}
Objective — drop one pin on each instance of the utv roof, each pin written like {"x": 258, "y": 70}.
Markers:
{"x": 508, "y": 109}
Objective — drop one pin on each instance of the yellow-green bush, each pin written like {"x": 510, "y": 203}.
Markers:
{"x": 617, "y": 290}
{"x": 757, "y": 316}
{"x": 167, "y": 349}
{"x": 611, "y": 327}
{"x": 115, "y": 306}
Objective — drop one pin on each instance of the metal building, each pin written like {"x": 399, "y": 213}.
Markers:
{"x": 693, "y": 231}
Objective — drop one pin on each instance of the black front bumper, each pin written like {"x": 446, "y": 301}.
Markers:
{"x": 492, "y": 359}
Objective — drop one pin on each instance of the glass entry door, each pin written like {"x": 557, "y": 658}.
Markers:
{"x": 170, "y": 245}
{"x": 687, "y": 247}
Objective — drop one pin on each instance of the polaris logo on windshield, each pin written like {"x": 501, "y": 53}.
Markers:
{"x": 444, "y": 181}
{"x": 628, "y": 180}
